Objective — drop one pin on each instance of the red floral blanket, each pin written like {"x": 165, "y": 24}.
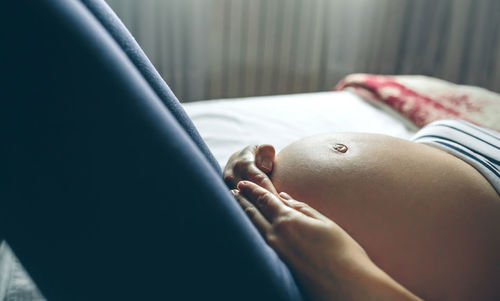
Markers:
{"x": 424, "y": 99}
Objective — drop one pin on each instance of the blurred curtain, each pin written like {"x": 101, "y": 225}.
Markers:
{"x": 230, "y": 48}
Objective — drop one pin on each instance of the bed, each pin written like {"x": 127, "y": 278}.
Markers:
{"x": 228, "y": 125}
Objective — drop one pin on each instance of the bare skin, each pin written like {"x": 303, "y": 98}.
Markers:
{"x": 329, "y": 264}
{"x": 425, "y": 217}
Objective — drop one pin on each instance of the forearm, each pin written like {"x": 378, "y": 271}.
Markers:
{"x": 355, "y": 278}
{"x": 378, "y": 285}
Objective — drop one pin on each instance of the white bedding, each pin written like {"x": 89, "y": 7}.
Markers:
{"x": 228, "y": 125}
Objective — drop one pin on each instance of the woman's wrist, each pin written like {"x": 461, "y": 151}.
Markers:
{"x": 366, "y": 281}
{"x": 356, "y": 278}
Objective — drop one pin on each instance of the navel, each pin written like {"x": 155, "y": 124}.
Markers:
{"x": 341, "y": 148}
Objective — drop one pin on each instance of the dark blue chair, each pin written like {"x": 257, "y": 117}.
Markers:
{"x": 107, "y": 191}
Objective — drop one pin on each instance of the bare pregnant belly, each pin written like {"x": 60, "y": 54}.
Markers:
{"x": 427, "y": 218}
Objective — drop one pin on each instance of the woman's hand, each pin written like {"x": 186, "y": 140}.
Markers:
{"x": 327, "y": 262}
{"x": 253, "y": 163}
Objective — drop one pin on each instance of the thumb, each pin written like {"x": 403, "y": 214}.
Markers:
{"x": 264, "y": 157}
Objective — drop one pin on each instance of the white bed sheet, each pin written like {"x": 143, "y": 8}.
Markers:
{"x": 228, "y": 125}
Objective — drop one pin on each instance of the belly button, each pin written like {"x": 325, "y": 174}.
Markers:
{"x": 341, "y": 148}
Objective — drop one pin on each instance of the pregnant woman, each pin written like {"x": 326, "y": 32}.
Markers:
{"x": 107, "y": 191}
{"x": 399, "y": 219}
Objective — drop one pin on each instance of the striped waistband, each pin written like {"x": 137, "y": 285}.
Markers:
{"x": 480, "y": 147}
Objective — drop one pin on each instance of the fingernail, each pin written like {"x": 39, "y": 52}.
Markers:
{"x": 285, "y": 195}
{"x": 267, "y": 164}
{"x": 234, "y": 191}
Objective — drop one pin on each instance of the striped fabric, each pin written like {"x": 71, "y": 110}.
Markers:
{"x": 480, "y": 147}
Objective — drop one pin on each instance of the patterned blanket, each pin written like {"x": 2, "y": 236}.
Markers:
{"x": 424, "y": 99}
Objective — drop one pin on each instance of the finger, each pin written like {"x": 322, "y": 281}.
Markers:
{"x": 229, "y": 178}
{"x": 253, "y": 213}
{"x": 246, "y": 170}
{"x": 237, "y": 164}
{"x": 241, "y": 166}
{"x": 267, "y": 203}
{"x": 256, "y": 176}
{"x": 264, "y": 157}
{"x": 301, "y": 206}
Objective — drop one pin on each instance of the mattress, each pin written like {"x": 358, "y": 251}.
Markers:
{"x": 228, "y": 125}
